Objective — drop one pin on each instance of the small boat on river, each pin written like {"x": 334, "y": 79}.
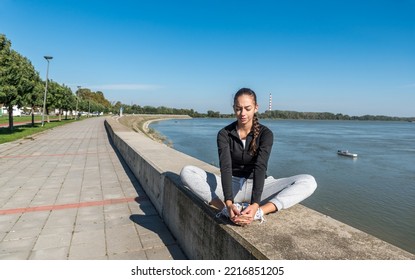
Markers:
{"x": 346, "y": 153}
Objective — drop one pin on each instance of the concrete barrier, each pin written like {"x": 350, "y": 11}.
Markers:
{"x": 296, "y": 233}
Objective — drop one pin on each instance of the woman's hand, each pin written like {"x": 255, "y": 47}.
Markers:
{"x": 232, "y": 210}
{"x": 247, "y": 215}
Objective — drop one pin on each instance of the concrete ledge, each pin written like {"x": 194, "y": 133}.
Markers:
{"x": 296, "y": 233}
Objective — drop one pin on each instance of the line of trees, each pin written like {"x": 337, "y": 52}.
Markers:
{"x": 21, "y": 86}
{"x": 137, "y": 109}
{"x": 279, "y": 114}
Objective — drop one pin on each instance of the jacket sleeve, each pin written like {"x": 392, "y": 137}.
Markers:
{"x": 225, "y": 163}
{"x": 266, "y": 140}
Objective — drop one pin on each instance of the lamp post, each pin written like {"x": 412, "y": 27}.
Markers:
{"x": 77, "y": 99}
{"x": 46, "y": 89}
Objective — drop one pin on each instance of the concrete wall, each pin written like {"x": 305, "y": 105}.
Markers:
{"x": 296, "y": 233}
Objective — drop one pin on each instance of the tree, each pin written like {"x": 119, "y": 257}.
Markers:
{"x": 93, "y": 101}
{"x": 35, "y": 98}
{"x": 116, "y": 107}
{"x": 61, "y": 98}
{"x": 8, "y": 90}
{"x": 212, "y": 114}
{"x": 18, "y": 77}
{"x": 69, "y": 100}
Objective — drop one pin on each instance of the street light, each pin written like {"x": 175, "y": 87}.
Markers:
{"x": 77, "y": 98}
{"x": 46, "y": 89}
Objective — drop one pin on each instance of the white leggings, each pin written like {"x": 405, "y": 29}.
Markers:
{"x": 283, "y": 192}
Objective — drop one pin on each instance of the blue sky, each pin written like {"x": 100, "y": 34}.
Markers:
{"x": 350, "y": 57}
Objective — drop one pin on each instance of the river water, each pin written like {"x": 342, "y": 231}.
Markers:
{"x": 374, "y": 192}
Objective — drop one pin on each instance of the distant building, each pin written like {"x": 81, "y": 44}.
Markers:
{"x": 270, "y": 102}
{"x": 16, "y": 111}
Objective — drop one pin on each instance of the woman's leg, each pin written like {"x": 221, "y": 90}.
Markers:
{"x": 283, "y": 193}
{"x": 207, "y": 186}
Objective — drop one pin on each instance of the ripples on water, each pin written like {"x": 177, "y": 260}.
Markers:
{"x": 374, "y": 192}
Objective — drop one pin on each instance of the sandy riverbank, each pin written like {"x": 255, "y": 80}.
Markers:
{"x": 140, "y": 123}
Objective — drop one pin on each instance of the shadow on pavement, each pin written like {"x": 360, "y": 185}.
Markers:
{"x": 150, "y": 220}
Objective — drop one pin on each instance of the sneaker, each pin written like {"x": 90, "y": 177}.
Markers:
{"x": 259, "y": 215}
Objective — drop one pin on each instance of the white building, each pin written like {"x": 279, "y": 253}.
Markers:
{"x": 16, "y": 111}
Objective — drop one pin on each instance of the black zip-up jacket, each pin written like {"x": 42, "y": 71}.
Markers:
{"x": 235, "y": 160}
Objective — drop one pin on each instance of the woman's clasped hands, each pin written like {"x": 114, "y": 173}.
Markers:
{"x": 244, "y": 216}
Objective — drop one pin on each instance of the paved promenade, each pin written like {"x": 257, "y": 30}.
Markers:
{"x": 67, "y": 194}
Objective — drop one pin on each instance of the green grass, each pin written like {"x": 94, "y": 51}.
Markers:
{"x": 25, "y": 131}
{"x": 5, "y": 119}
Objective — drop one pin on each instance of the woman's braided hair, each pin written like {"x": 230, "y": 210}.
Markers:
{"x": 255, "y": 123}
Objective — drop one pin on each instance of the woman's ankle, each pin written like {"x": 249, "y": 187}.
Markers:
{"x": 269, "y": 207}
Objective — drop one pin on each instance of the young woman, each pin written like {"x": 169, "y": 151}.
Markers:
{"x": 243, "y": 191}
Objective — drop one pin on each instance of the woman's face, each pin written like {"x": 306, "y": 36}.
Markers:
{"x": 245, "y": 108}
